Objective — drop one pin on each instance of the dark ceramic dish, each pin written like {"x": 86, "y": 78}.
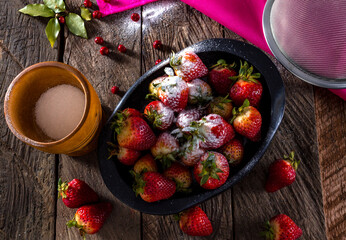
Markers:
{"x": 117, "y": 177}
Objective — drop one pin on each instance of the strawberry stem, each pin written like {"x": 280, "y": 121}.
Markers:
{"x": 268, "y": 232}
{"x": 239, "y": 110}
{"x": 290, "y": 158}
{"x": 209, "y": 169}
{"x": 62, "y": 188}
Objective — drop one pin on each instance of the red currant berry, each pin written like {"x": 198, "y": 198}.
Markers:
{"x": 88, "y": 4}
{"x": 97, "y": 14}
{"x": 121, "y": 48}
{"x": 135, "y": 17}
{"x": 158, "y": 61}
{"x": 157, "y": 44}
{"x": 99, "y": 40}
{"x": 61, "y": 20}
{"x": 107, "y": 1}
{"x": 115, "y": 89}
{"x": 104, "y": 51}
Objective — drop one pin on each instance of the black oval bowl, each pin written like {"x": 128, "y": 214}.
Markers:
{"x": 116, "y": 176}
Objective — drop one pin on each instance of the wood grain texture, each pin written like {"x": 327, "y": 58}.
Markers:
{"x": 27, "y": 176}
{"x": 178, "y": 26}
{"x": 302, "y": 200}
{"x": 330, "y": 112}
{"x": 103, "y": 72}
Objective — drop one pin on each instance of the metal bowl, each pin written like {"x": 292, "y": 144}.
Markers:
{"x": 116, "y": 176}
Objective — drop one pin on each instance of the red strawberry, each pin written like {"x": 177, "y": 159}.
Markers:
{"x": 153, "y": 186}
{"x": 180, "y": 175}
{"x": 133, "y": 132}
{"x": 89, "y": 219}
{"x": 125, "y": 155}
{"x": 76, "y": 193}
{"x": 131, "y": 112}
{"x": 191, "y": 152}
{"x": 221, "y": 106}
{"x": 212, "y": 131}
{"x": 281, "y": 227}
{"x": 187, "y": 116}
{"x": 233, "y": 151}
{"x": 199, "y": 92}
{"x": 165, "y": 149}
{"x": 246, "y": 86}
{"x": 145, "y": 164}
{"x": 247, "y": 121}
{"x": 173, "y": 92}
{"x": 219, "y": 77}
{"x": 188, "y": 66}
{"x": 159, "y": 115}
{"x": 194, "y": 222}
{"x": 282, "y": 173}
{"x": 212, "y": 170}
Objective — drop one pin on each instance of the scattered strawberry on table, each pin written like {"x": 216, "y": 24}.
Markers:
{"x": 281, "y": 227}
{"x": 282, "y": 173}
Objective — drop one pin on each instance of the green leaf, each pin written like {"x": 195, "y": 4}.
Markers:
{"x": 85, "y": 13}
{"x": 204, "y": 179}
{"x": 52, "y": 30}
{"x": 76, "y": 25}
{"x": 37, "y": 10}
{"x": 56, "y": 5}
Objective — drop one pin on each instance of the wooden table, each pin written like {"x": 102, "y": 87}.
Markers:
{"x": 313, "y": 126}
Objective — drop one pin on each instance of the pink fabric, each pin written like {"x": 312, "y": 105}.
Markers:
{"x": 243, "y": 17}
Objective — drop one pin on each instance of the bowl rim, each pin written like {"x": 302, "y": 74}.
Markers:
{"x": 78, "y": 76}
{"x": 277, "y": 95}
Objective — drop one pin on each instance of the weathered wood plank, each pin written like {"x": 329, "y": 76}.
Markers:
{"x": 103, "y": 72}
{"x": 330, "y": 112}
{"x": 303, "y": 200}
{"x": 178, "y": 26}
{"x": 27, "y": 176}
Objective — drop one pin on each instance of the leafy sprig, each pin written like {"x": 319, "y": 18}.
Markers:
{"x": 54, "y": 9}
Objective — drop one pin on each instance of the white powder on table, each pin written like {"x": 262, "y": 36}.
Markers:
{"x": 59, "y": 110}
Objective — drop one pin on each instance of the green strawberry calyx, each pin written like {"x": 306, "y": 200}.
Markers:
{"x": 175, "y": 60}
{"x": 139, "y": 184}
{"x": 220, "y": 101}
{"x": 221, "y": 63}
{"x": 167, "y": 159}
{"x": 154, "y": 117}
{"x": 290, "y": 158}
{"x": 113, "y": 151}
{"x": 73, "y": 223}
{"x": 246, "y": 73}
{"x": 209, "y": 169}
{"x": 268, "y": 232}
{"x": 62, "y": 188}
{"x": 237, "y": 111}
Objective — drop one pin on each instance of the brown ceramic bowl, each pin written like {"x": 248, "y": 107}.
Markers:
{"x": 23, "y": 94}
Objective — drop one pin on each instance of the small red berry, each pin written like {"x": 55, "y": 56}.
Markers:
{"x": 106, "y": 1}
{"x": 88, "y": 4}
{"x": 121, "y": 48}
{"x": 99, "y": 40}
{"x": 115, "y": 89}
{"x": 157, "y": 44}
{"x": 104, "y": 51}
{"x": 158, "y": 61}
{"x": 97, "y": 14}
{"x": 135, "y": 17}
{"x": 61, "y": 20}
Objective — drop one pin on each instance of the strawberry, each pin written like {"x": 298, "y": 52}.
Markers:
{"x": 159, "y": 115}
{"x": 187, "y": 116}
{"x": 153, "y": 186}
{"x": 76, "y": 193}
{"x": 282, "y": 173}
{"x": 233, "y": 151}
{"x": 133, "y": 132}
{"x": 131, "y": 112}
{"x": 246, "y": 86}
{"x": 281, "y": 227}
{"x": 194, "y": 222}
{"x": 247, "y": 121}
{"x": 173, "y": 92}
{"x": 180, "y": 175}
{"x": 219, "y": 76}
{"x": 89, "y": 219}
{"x": 125, "y": 155}
{"x": 199, "y": 92}
{"x": 153, "y": 87}
{"x": 221, "y": 106}
{"x": 191, "y": 153}
{"x": 188, "y": 66}
{"x": 212, "y": 170}
{"x": 212, "y": 131}
{"x": 165, "y": 149}
{"x": 145, "y": 164}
